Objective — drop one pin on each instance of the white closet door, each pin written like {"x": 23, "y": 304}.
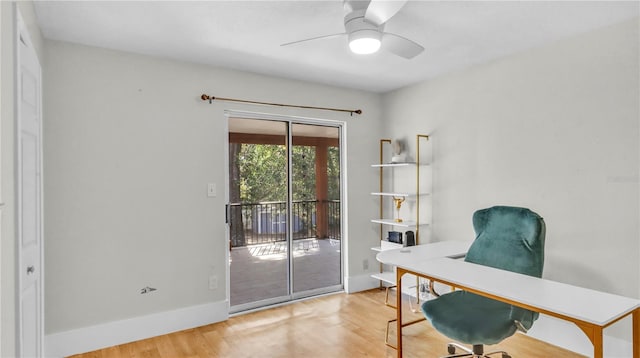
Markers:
{"x": 29, "y": 195}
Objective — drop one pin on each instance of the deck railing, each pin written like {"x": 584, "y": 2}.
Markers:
{"x": 266, "y": 222}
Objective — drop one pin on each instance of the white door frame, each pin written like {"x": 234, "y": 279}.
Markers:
{"x": 29, "y": 228}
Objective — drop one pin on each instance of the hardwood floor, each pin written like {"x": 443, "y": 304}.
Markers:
{"x": 337, "y": 325}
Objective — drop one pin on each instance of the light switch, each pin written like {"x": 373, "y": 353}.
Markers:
{"x": 211, "y": 190}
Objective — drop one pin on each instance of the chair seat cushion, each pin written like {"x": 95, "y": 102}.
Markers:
{"x": 474, "y": 319}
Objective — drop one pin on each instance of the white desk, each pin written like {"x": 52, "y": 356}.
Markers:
{"x": 590, "y": 310}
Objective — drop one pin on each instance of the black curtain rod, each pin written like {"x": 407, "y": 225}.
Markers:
{"x": 206, "y": 97}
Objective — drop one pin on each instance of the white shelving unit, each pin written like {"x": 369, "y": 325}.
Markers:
{"x": 386, "y": 193}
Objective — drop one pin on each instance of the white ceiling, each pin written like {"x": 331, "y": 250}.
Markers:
{"x": 246, "y": 35}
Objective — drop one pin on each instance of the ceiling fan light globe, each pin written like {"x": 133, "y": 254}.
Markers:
{"x": 364, "y": 46}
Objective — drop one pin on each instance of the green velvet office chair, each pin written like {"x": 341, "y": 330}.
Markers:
{"x": 507, "y": 238}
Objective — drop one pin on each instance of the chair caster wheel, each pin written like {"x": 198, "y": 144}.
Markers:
{"x": 452, "y": 350}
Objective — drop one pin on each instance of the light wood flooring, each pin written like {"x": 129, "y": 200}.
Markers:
{"x": 338, "y": 325}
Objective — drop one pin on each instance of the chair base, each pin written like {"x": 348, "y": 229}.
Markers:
{"x": 476, "y": 352}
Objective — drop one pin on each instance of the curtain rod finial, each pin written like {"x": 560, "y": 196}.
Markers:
{"x": 206, "y": 97}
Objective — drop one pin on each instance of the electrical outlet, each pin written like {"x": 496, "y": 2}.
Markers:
{"x": 365, "y": 264}
{"x": 213, "y": 282}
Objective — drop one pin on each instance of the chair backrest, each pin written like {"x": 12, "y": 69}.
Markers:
{"x": 508, "y": 238}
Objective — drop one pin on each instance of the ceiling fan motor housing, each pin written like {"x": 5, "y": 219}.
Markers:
{"x": 357, "y": 27}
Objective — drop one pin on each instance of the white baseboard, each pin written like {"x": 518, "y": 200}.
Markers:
{"x": 359, "y": 283}
{"x": 119, "y": 332}
{"x": 568, "y": 336}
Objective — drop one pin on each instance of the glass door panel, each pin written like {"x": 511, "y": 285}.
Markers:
{"x": 258, "y": 196}
{"x": 315, "y": 208}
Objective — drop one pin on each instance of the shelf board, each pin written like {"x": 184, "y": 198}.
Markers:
{"x": 387, "y": 165}
{"x": 387, "y": 276}
{"x": 406, "y": 195}
{"x": 387, "y": 245}
{"x": 394, "y": 223}
{"x": 392, "y": 165}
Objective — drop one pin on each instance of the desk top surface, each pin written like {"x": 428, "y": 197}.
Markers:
{"x": 578, "y": 303}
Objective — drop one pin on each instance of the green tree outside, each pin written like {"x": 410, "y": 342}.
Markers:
{"x": 263, "y": 173}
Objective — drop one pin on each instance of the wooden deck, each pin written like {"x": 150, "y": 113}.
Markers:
{"x": 260, "y": 271}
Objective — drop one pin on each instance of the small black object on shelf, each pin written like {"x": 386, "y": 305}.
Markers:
{"x": 410, "y": 238}
{"x": 395, "y": 236}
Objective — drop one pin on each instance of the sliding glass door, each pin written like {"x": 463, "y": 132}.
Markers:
{"x": 284, "y": 211}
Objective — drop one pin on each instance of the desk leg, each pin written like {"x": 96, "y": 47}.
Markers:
{"x": 399, "y": 273}
{"x": 594, "y": 333}
{"x": 636, "y": 333}
{"x": 598, "y": 351}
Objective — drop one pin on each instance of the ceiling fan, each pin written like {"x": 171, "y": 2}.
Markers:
{"x": 364, "y": 28}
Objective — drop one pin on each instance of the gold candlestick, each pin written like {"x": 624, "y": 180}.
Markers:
{"x": 398, "y": 201}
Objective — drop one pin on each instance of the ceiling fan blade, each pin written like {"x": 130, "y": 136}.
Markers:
{"x": 401, "y": 46}
{"x": 380, "y": 11}
{"x": 314, "y": 38}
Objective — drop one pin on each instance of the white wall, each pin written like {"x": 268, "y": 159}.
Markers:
{"x": 129, "y": 149}
{"x": 8, "y": 281}
{"x": 554, "y": 129}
